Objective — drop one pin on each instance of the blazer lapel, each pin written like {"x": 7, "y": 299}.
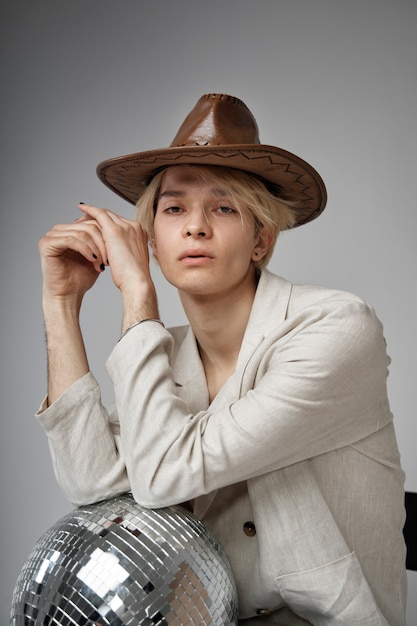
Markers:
{"x": 189, "y": 375}
{"x": 269, "y": 311}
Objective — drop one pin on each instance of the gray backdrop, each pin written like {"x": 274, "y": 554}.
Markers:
{"x": 83, "y": 80}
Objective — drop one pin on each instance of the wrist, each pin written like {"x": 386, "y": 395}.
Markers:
{"x": 58, "y": 311}
{"x": 65, "y": 303}
{"x": 138, "y": 307}
{"x": 144, "y": 321}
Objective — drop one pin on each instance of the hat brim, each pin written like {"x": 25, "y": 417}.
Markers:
{"x": 300, "y": 182}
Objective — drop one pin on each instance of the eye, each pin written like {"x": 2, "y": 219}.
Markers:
{"x": 173, "y": 209}
{"x": 226, "y": 210}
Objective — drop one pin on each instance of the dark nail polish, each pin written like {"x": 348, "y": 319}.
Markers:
{"x": 94, "y": 256}
{"x": 81, "y": 203}
{"x": 102, "y": 267}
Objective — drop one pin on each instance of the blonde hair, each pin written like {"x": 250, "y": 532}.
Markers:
{"x": 268, "y": 209}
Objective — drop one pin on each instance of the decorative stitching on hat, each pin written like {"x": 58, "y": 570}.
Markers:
{"x": 225, "y": 97}
{"x": 305, "y": 198}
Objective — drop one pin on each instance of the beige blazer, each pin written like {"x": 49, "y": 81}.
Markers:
{"x": 294, "y": 465}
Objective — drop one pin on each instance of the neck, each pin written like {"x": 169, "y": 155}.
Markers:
{"x": 219, "y": 324}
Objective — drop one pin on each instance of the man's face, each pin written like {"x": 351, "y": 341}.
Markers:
{"x": 204, "y": 243}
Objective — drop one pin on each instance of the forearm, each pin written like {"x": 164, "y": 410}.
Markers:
{"x": 66, "y": 355}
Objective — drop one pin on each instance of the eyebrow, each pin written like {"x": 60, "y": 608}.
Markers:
{"x": 172, "y": 193}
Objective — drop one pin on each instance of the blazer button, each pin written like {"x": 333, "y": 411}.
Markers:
{"x": 249, "y": 529}
{"x": 263, "y": 612}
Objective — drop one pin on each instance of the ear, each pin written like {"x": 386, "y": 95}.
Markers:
{"x": 152, "y": 244}
{"x": 264, "y": 240}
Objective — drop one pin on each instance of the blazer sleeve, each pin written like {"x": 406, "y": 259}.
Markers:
{"x": 84, "y": 443}
{"x": 315, "y": 384}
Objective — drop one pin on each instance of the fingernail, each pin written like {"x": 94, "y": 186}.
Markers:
{"x": 81, "y": 203}
{"x": 102, "y": 267}
{"x": 95, "y": 256}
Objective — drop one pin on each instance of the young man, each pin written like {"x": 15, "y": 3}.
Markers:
{"x": 268, "y": 414}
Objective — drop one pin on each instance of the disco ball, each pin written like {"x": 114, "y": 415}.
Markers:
{"x": 116, "y": 563}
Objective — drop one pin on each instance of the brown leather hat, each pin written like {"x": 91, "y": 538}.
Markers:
{"x": 220, "y": 130}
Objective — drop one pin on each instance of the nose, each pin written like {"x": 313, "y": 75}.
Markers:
{"x": 197, "y": 224}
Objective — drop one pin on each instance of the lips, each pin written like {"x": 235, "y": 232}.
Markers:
{"x": 195, "y": 254}
{"x": 195, "y": 258}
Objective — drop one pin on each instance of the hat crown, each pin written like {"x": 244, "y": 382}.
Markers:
{"x": 217, "y": 119}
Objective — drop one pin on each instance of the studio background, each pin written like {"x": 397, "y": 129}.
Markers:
{"x": 331, "y": 80}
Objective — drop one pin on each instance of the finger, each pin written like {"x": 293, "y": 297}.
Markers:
{"x": 91, "y": 211}
{"x": 82, "y": 218}
{"x": 112, "y": 223}
{"x": 104, "y": 217}
{"x": 52, "y": 247}
{"x": 85, "y": 238}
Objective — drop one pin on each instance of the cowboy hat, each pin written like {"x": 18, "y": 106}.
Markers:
{"x": 221, "y": 130}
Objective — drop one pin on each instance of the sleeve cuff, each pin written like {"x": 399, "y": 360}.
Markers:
{"x": 69, "y": 399}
